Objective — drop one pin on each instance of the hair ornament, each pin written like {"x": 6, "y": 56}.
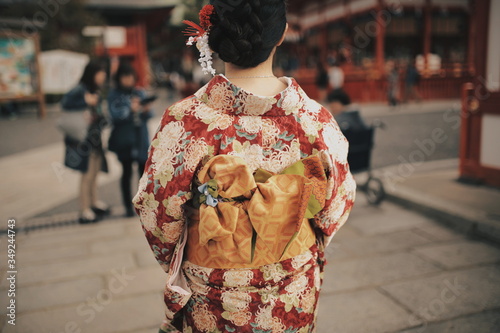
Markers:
{"x": 199, "y": 34}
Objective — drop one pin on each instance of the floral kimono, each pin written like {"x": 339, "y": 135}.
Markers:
{"x": 254, "y": 187}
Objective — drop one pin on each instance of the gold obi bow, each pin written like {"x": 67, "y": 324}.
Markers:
{"x": 252, "y": 219}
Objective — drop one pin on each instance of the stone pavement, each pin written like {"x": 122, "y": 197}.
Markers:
{"x": 378, "y": 109}
{"x": 433, "y": 188}
{"x": 36, "y": 180}
{"x": 389, "y": 270}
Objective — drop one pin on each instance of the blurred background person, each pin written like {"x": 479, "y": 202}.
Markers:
{"x": 88, "y": 156}
{"x": 345, "y": 113}
{"x": 322, "y": 81}
{"x": 130, "y": 111}
{"x": 187, "y": 67}
{"x": 335, "y": 75}
{"x": 393, "y": 84}
{"x": 411, "y": 81}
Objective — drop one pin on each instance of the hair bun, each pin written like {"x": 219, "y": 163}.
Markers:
{"x": 246, "y": 34}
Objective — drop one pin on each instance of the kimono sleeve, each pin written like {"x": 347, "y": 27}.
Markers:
{"x": 163, "y": 188}
{"x": 341, "y": 187}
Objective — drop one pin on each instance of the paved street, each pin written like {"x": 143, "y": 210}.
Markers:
{"x": 389, "y": 270}
{"x": 392, "y": 270}
{"x": 41, "y": 131}
{"x": 409, "y": 129}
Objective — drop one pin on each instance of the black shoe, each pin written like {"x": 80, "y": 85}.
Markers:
{"x": 102, "y": 212}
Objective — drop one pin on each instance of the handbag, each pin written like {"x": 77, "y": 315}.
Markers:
{"x": 74, "y": 125}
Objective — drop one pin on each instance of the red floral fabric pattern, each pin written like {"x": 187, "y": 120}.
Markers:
{"x": 270, "y": 133}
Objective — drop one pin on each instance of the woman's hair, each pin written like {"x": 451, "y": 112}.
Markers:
{"x": 244, "y": 32}
{"x": 125, "y": 69}
{"x": 88, "y": 76}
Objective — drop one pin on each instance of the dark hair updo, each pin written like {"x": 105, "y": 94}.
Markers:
{"x": 244, "y": 32}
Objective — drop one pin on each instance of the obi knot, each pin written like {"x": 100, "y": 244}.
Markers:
{"x": 248, "y": 219}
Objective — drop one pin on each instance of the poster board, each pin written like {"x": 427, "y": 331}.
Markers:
{"x": 19, "y": 69}
{"x": 61, "y": 70}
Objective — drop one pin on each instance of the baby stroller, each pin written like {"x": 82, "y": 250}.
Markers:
{"x": 360, "y": 137}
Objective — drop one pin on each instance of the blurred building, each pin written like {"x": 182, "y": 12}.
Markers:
{"x": 365, "y": 37}
{"x": 480, "y": 117}
{"x": 134, "y": 27}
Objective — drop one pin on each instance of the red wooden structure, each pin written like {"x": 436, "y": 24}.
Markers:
{"x": 479, "y": 102}
{"x": 378, "y": 31}
{"x": 135, "y": 51}
{"x": 366, "y": 89}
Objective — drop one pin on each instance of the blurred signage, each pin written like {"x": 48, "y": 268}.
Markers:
{"x": 113, "y": 37}
{"x": 17, "y": 67}
{"x": 61, "y": 70}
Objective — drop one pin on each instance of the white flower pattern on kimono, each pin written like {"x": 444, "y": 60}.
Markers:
{"x": 194, "y": 153}
{"x": 179, "y": 110}
{"x": 278, "y": 160}
{"x": 204, "y": 320}
{"x": 253, "y": 105}
{"x": 264, "y": 317}
{"x": 273, "y": 272}
{"x": 168, "y": 142}
{"x": 173, "y": 206}
{"x": 310, "y": 125}
{"x": 235, "y": 300}
{"x": 148, "y": 211}
{"x": 148, "y": 219}
{"x": 240, "y": 317}
{"x": 214, "y": 118}
{"x": 221, "y": 98}
{"x": 252, "y": 154}
{"x": 291, "y": 103}
{"x": 237, "y": 278}
{"x": 270, "y": 132}
{"x": 308, "y": 300}
{"x": 336, "y": 142}
{"x": 251, "y": 124}
{"x": 171, "y": 230}
{"x": 312, "y": 106}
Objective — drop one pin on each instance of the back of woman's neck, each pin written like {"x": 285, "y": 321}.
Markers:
{"x": 258, "y": 80}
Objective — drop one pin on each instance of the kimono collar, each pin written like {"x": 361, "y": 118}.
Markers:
{"x": 224, "y": 96}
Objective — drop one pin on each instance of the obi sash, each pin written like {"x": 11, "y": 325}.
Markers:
{"x": 243, "y": 219}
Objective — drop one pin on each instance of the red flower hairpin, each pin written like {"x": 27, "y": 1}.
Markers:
{"x": 205, "y": 13}
{"x": 199, "y": 35}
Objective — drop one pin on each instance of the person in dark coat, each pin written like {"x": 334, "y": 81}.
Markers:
{"x": 129, "y": 137}
{"x": 393, "y": 86}
{"x": 88, "y": 156}
{"x": 345, "y": 113}
{"x": 411, "y": 81}
{"x": 322, "y": 81}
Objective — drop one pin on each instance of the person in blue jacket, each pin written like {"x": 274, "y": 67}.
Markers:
{"x": 88, "y": 156}
{"x": 129, "y": 137}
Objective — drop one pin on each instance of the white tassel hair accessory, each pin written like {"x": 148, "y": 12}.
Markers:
{"x": 199, "y": 35}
